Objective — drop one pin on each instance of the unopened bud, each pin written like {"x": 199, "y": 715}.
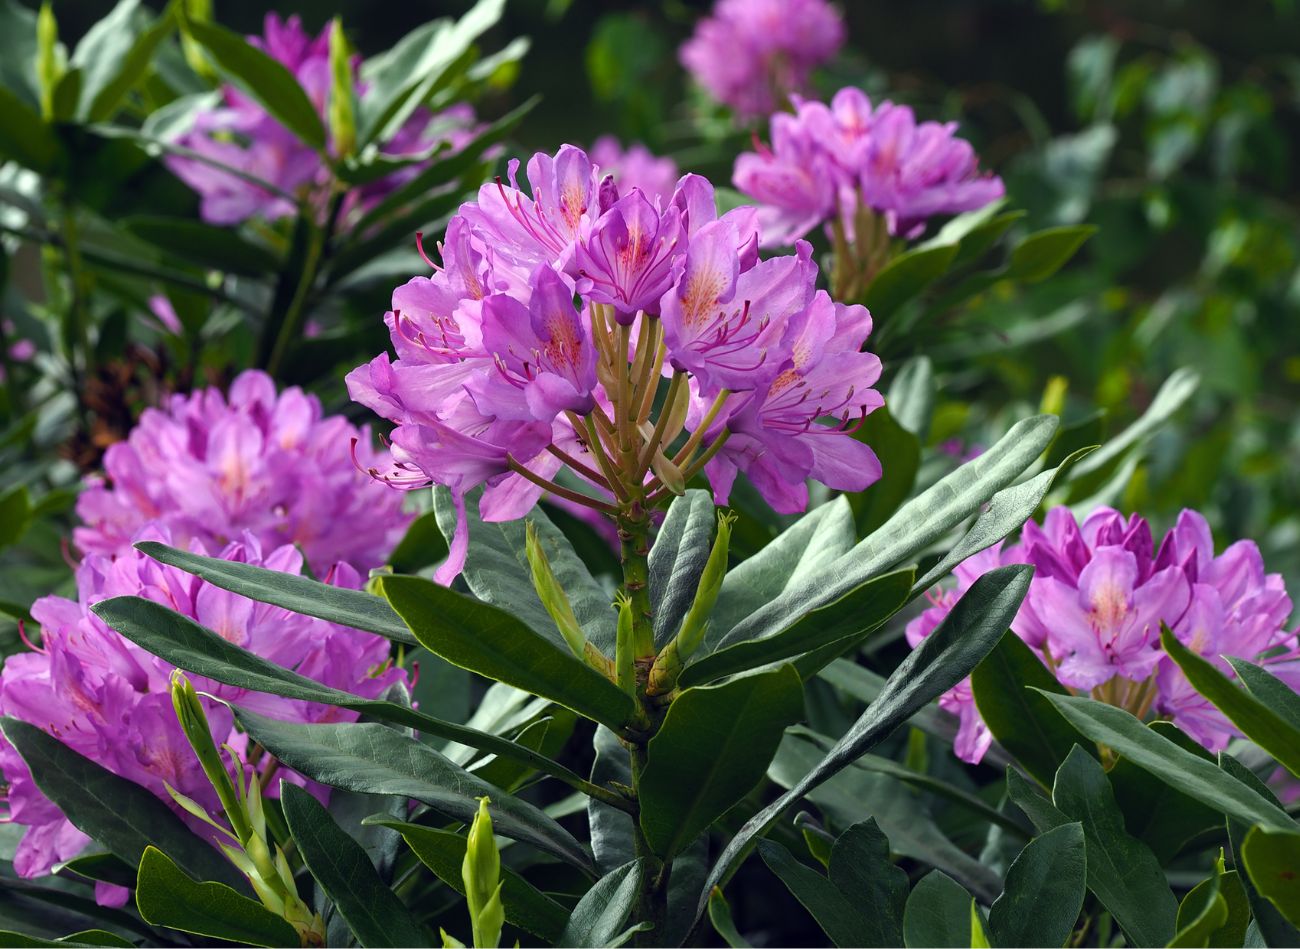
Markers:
{"x": 194, "y": 723}
{"x": 481, "y": 874}
{"x": 696, "y": 622}
{"x": 552, "y": 594}
{"x": 625, "y": 647}
{"x": 196, "y": 11}
{"x": 342, "y": 107}
{"x": 668, "y": 473}
{"x": 49, "y": 65}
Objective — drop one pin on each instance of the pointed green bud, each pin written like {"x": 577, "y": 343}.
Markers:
{"x": 343, "y": 106}
{"x": 481, "y": 874}
{"x": 449, "y": 941}
{"x": 49, "y": 62}
{"x": 624, "y": 646}
{"x": 696, "y": 623}
{"x": 196, "y": 11}
{"x": 552, "y": 594}
{"x": 490, "y": 920}
{"x": 194, "y": 723}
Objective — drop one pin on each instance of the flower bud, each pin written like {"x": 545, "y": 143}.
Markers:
{"x": 342, "y": 107}
{"x": 194, "y": 723}
{"x": 696, "y": 622}
{"x": 49, "y": 65}
{"x": 552, "y": 594}
{"x": 481, "y": 874}
{"x": 196, "y": 11}
{"x": 625, "y": 648}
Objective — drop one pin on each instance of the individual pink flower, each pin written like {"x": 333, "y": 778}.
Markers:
{"x": 635, "y": 167}
{"x": 825, "y": 162}
{"x": 210, "y": 467}
{"x": 241, "y": 135}
{"x": 627, "y": 258}
{"x": 779, "y": 437}
{"x": 109, "y": 700}
{"x": 751, "y": 54}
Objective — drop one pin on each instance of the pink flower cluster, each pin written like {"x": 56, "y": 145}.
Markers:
{"x": 108, "y": 699}
{"x": 751, "y": 54}
{"x": 243, "y": 136}
{"x": 825, "y": 162}
{"x": 1101, "y": 591}
{"x": 211, "y": 468}
{"x": 508, "y": 357}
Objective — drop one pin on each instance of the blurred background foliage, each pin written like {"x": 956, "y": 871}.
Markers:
{"x": 1171, "y": 126}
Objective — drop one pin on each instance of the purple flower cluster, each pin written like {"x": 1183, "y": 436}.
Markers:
{"x": 211, "y": 469}
{"x": 1093, "y": 614}
{"x": 108, "y": 699}
{"x": 243, "y": 136}
{"x": 752, "y": 54}
{"x": 541, "y": 340}
{"x": 825, "y": 163}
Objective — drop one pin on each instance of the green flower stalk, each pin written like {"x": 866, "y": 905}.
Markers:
{"x": 481, "y": 874}
{"x": 668, "y": 665}
{"x": 255, "y": 855}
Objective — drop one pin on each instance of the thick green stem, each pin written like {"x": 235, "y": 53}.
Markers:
{"x": 652, "y": 899}
{"x": 634, "y": 540}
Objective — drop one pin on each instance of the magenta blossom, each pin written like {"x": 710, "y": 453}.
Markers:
{"x": 538, "y": 348}
{"x": 1101, "y": 593}
{"x": 827, "y": 162}
{"x": 635, "y": 167}
{"x": 210, "y": 468}
{"x": 108, "y": 699}
{"x": 751, "y": 54}
{"x": 242, "y": 136}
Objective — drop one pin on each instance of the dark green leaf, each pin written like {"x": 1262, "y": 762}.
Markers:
{"x": 118, "y": 813}
{"x": 906, "y": 276}
{"x": 1269, "y": 922}
{"x": 297, "y": 594}
{"x": 938, "y": 914}
{"x": 87, "y": 937}
{"x": 842, "y": 918}
{"x": 443, "y": 852}
{"x": 217, "y": 248}
{"x": 902, "y": 450}
{"x": 857, "y": 613}
{"x": 1271, "y": 731}
{"x": 713, "y": 747}
{"x": 1029, "y": 798}
{"x": 1272, "y": 859}
{"x": 376, "y": 759}
{"x": 1122, "y": 871}
{"x": 100, "y": 866}
{"x": 911, "y": 396}
{"x": 914, "y": 527}
{"x": 1268, "y": 689}
{"x": 1181, "y": 769}
{"x": 861, "y": 869}
{"x": 803, "y": 550}
{"x": 187, "y": 645}
{"x": 1022, "y": 721}
{"x": 15, "y": 514}
{"x": 167, "y": 896}
{"x": 677, "y": 559}
{"x": 1162, "y": 817}
{"x": 24, "y": 136}
{"x": 375, "y": 915}
{"x": 1203, "y": 912}
{"x": 947, "y": 656}
{"x": 723, "y": 924}
{"x": 603, "y": 911}
{"x": 1043, "y": 253}
{"x": 487, "y": 640}
{"x": 113, "y": 56}
{"x": 497, "y": 572}
{"x": 263, "y": 78}
{"x": 1044, "y": 891}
